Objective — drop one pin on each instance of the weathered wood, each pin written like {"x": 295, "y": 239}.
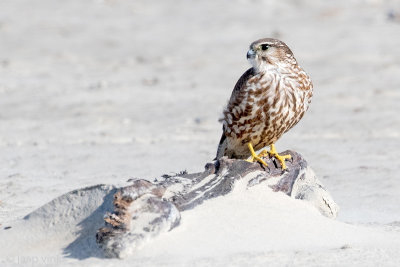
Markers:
{"x": 146, "y": 209}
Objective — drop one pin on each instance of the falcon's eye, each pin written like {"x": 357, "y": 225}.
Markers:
{"x": 264, "y": 47}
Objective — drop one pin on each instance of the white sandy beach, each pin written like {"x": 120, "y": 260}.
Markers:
{"x": 97, "y": 92}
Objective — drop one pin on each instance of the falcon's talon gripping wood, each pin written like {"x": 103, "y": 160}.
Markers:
{"x": 255, "y": 157}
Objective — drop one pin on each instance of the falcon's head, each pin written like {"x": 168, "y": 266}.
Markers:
{"x": 268, "y": 53}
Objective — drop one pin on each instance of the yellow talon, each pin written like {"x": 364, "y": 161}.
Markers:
{"x": 256, "y": 157}
{"x": 271, "y": 153}
{"x": 281, "y": 159}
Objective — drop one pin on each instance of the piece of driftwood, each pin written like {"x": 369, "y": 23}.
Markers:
{"x": 146, "y": 209}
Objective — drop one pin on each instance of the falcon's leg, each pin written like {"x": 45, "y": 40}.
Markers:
{"x": 281, "y": 159}
{"x": 254, "y": 156}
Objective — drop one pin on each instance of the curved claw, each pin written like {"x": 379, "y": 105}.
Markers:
{"x": 255, "y": 157}
{"x": 281, "y": 159}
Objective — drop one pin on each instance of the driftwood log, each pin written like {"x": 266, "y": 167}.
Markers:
{"x": 146, "y": 209}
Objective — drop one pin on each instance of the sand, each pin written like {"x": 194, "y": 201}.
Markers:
{"x": 99, "y": 91}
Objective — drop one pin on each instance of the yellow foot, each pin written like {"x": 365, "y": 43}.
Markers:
{"x": 281, "y": 159}
{"x": 255, "y": 157}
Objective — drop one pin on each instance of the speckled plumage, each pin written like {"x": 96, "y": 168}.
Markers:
{"x": 267, "y": 101}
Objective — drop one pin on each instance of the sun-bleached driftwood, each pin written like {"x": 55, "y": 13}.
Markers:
{"x": 146, "y": 209}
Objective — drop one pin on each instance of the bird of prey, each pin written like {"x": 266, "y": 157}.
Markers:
{"x": 267, "y": 101}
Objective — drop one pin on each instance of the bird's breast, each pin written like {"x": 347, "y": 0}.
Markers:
{"x": 269, "y": 105}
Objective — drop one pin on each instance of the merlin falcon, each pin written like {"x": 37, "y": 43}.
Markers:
{"x": 267, "y": 101}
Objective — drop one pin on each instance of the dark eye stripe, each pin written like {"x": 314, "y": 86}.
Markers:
{"x": 264, "y": 47}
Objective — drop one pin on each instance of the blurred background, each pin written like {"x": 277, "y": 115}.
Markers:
{"x": 100, "y": 91}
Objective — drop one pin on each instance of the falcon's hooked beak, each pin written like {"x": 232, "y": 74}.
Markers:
{"x": 251, "y": 54}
